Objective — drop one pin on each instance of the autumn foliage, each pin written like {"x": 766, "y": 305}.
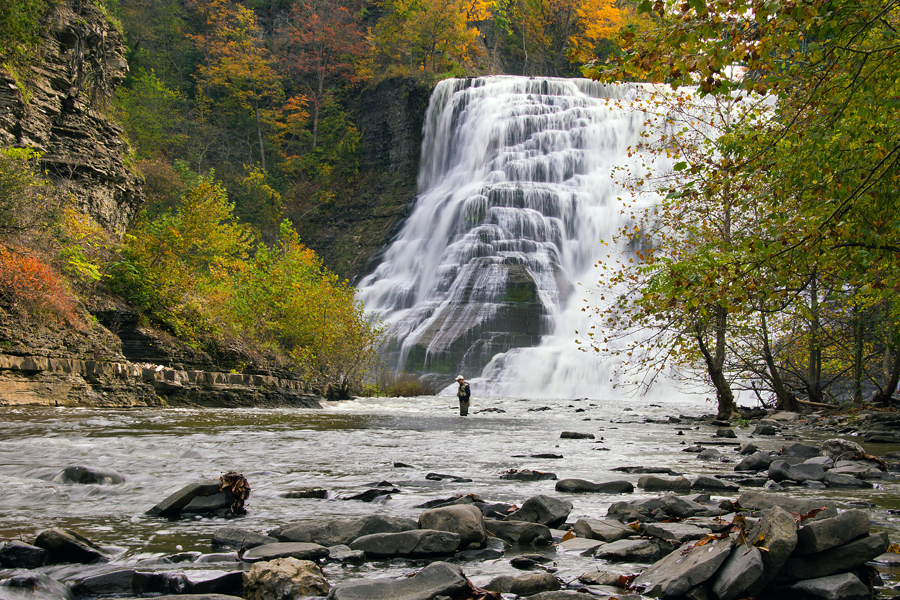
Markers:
{"x": 34, "y": 289}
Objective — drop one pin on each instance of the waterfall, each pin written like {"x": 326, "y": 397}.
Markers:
{"x": 516, "y": 194}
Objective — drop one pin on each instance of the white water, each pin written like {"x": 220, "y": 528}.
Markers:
{"x": 515, "y": 171}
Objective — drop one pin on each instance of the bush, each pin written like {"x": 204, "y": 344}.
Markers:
{"x": 32, "y": 288}
{"x": 396, "y": 385}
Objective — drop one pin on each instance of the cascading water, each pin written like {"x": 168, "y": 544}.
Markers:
{"x": 515, "y": 196}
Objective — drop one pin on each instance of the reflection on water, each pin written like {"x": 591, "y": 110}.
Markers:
{"x": 345, "y": 448}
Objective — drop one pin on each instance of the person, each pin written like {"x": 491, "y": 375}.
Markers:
{"x": 463, "y": 394}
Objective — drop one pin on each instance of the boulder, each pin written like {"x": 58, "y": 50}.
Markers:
{"x": 713, "y": 484}
{"x": 341, "y": 531}
{"x": 856, "y": 468}
{"x": 298, "y": 550}
{"x": 652, "y": 483}
{"x": 681, "y": 571}
{"x": 544, "y": 510}
{"x": 344, "y": 554}
{"x": 284, "y": 578}
{"x": 833, "y": 479}
{"x": 676, "y": 532}
{"x": 524, "y": 586}
{"x": 748, "y": 449}
{"x": 583, "y": 546}
{"x": 641, "y": 510}
{"x": 807, "y": 472}
{"x": 639, "y": 551}
{"x": 88, "y": 475}
{"x": 762, "y": 500}
{"x": 764, "y": 430}
{"x": 579, "y": 486}
{"x": 232, "y": 537}
{"x": 725, "y": 432}
{"x": 816, "y": 536}
{"x": 118, "y": 583}
{"x": 600, "y": 578}
{"x": 216, "y": 583}
{"x": 463, "y": 519}
{"x": 33, "y": 586}
{"x": 759, "y": 461}
{"x": 681, "y": 507}
{"x": 174, "y": 503}
{"x": 206, "y": 504}
{"x": 801, "y": 451}
{"x": 605, "y": 530}
{"x": 437, "y": 579}
{"x": 739, "y": 572}
{"x": 845, "y": 586}
{"x": 836, "y": 560}
{"x": 66, "y": 546}
{"x": 709, "y": 454}
{"x": 413, "y": 543}
{"x": 836, "y": 448}
{"x": 153, "y": 584}
{"x": 19, "y": 555}
{"x": 528, "y": 475}
{"x": 779, "y": 470}
{"x": 575, "y": 435}
{"x": 519, "y": 532}
{"x": 776, "y": 535}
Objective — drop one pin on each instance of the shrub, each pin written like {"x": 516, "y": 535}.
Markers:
{"x": 32, "y": 288}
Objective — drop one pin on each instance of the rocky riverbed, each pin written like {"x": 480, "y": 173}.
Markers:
{"x": 760, "y": 515}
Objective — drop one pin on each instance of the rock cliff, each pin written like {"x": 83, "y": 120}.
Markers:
{"x": 55, "y": 109}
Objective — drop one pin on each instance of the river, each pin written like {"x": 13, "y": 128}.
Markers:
{"x": 345, "y": 448}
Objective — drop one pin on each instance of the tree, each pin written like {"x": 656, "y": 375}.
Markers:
{"x": 821, "y": 169}
{"x": 327, "y": 41}
{"x": 238, "y": 65}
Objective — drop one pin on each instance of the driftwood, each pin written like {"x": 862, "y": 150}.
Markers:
{"x": 814, "y": 404}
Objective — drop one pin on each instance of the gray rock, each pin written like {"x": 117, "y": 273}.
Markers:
{"x": 760, "y": 461}
{"x": 66, "y": 546}
{"x": 545, "y": 510}
{"x": 748, "y": 449}
{"x": 816, "y": 536}
{"x": 341, "y": 531}
{"x": 652, "y": 483}
{"x": 463, "y": 519}
{"x": 528, "y": 475}
{"x": 232, "y": 537}
{"x": 825, "y": 461}
{"x": 575, "y": 435}
{"x": 206, "y": 504}
{"x": 739, "y": 572}
{"x": 683, "y": 570}
{"x": 437, "y": 579}
{"x": 836, "y": 560}
{"x": 725, "y": 432}
{"x": 714, "y": 484}
{"x": 284, "y": 578}
{"x": 175, "y": 502}
{"x": 776, "y": 535}
{"x": 763, "y": 500}
{"x": 298, "y": 550}
{"x": 600, "y": 578}
{"x": 780, "y": 471}
{"x": 524, "y": 586}
{"x": 414, "y": 543}
{"x": 605, "y": 530}
{"x": 801, "y": 451}
{"x": 836, "y": 448}
{"x": 681, "y": 507}
{"x": 639, "y": 551}
{"x": 152, "y": 584}
{"x": 218, "y": 584}
{"x": 709, "y": 454}
{"x": 344, "y": 554}
{"x": 33, "y": 586}
{"x": 845, "y": 586}
{"x": 833, "y": 479}
{"x": 857, "y": 468}
{"x": 19, "y": 555}
{"x": 583, "y": 546}
{"x": 807, "y": 472}
{"x": 519, "y": 532}
{"x": 676, "y": 532}
{"x": 764, "y": 430}
{"x": 577, "y": 486}
{"x": 106, "y": 584}
{"x": 88, "y": 475}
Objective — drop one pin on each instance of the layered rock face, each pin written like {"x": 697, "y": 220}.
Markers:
{"x": 81, "y": 59}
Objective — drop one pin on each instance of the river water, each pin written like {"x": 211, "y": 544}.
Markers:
{"x": 345, "y": 448}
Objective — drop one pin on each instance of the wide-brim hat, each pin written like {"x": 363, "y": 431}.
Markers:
{"x": 459, "y": 377}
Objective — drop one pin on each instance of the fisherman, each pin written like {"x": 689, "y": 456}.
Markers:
{"x": 463, "y": 394}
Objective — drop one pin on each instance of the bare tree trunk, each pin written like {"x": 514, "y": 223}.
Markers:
{"x": 785, "y": 399}
{"x": 259, "y": 135}
{"x": 565, "y": 41}
{"x": 727, "y": 409}
{"x": 857, "y": 355}
{"x": 814, "y": 372}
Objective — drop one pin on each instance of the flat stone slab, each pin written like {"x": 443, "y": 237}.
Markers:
{"x": 676, "y": 532}
{"x": 232, "y": 537}
{"x": 519, "y": 532}
{"x": 605, "y": 530}
{"x": 437, "y": 579}
{"x": 581, "y": 545}
{"x": 683, "y": 570}
{"x": 298, "y": 550}
{"x": 836, "y": 560}
{"x": 845, "y": 586}
{"x": 414, "y": 543}
{"x": 816, "y": 536}
{"x": 639, "y": 551}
